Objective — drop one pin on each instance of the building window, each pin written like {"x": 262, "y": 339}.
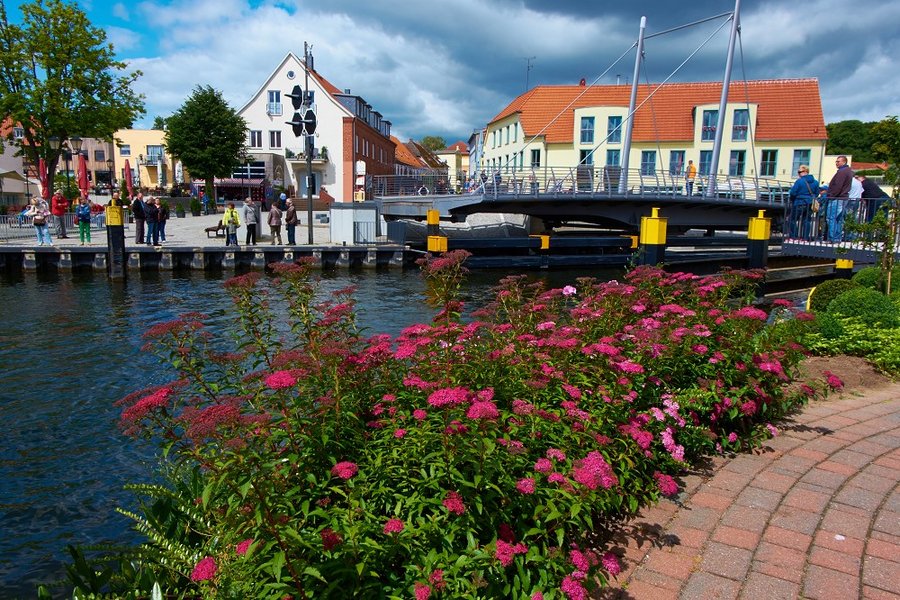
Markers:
{"x": 736, "y": 163}
{"x": 741, "y": 125}
{"x": 99, "y": 155}
{"x": 768, "y": 163}
{"x": 614, "y": 130}
{"x": 494, "y": 139}
{"x": 801, "y": 157}
{"x": 587, "y": 130}
{"x": 18, "y": 133}
{"x": 155, "y": 154}
{"x": 705, "y": 162}
{"x": 587, "y": 157}
{"x": 515, "y": 132}
{"x": 521, "y": 159}
{"x": 255, "y": 139}
{"x": 535, "y": 158}
{"x": 613, "y": 158}
{"x": 676, "y": 162}
{"x": 273, "y": 108}
{"x": 507, "y": 134}
{"x": 648, "y": 162}
{"x": 710, "y": 121}
{"x": 125, "y": 150}
{"x": 274, "y": 139}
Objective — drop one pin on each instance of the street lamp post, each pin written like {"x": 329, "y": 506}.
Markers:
{"x": 110, "y": 165}
{"x": 27, "y": 186}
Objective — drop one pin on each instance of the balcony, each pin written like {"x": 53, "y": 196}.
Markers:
{"x": 273, "y": 109}
{"x": 319, "y": 155}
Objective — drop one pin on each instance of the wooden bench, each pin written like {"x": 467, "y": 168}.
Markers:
{"x": 218, "y": 229}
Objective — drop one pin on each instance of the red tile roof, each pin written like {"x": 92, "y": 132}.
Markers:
{"x": 329, "y": 87}
{"x": 404, "y": 156}
{"x": 460, "y": 147}
{"x": 789, "y": 109}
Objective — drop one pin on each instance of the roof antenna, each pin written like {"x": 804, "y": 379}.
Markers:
{"x": 528, "y": 67}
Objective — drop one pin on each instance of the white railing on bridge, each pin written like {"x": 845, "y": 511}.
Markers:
{"x": 18, "y": 227}
{"x": 585, "y": 179}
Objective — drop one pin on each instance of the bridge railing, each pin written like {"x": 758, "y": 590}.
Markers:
{"x": 587, "y": 179}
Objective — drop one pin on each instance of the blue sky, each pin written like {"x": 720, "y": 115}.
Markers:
{"x": 446, "y": 68}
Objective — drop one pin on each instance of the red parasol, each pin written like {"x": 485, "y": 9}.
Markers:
{"x": 83, "y": 183}
{"x": 45, "y": 185}
{"x": 128, "y": 182}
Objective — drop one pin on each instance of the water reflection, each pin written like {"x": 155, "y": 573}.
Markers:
{"x": 70, "y": 345}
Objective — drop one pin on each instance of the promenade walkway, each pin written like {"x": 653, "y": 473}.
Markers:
{"x": 814, "y": 514}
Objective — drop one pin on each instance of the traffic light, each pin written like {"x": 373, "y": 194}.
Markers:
{"x": 296, "y": 97}
{"x": 296, "y": 124}
{"x": 309, "y": 120}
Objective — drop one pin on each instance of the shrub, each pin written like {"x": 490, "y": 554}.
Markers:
{"x": 829, "y": 326}
{"x": 870, "y": 277}
{"x": 867, "y": 305}
{"x": 825, "y": 292}
{"x": 477, "y": 459}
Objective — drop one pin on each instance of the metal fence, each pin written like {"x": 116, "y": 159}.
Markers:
{"x": 587, "y": 179}
{"x": 829, "y": 231}
{"x": 20, "y": 227}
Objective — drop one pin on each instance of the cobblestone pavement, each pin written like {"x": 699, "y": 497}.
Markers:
{"x": 814, "y": 514}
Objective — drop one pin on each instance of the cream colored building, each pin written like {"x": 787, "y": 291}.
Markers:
{"x": 771, "y": 127}
{"x": 457, "y": 158}
{"x": 144, "y": 149}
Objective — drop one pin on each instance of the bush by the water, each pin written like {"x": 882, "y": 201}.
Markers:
{"x": 869, "y": 306}
{"x": 871, "y": 277}
{"x": 825, "y": 292}
{"x": 477, "y": 458}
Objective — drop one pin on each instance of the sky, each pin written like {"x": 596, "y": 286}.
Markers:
{"x": 446, "y": 68}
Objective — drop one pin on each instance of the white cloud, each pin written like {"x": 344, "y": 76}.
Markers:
{"x": 120, "y": 11}
{"x": 122, "y": 38}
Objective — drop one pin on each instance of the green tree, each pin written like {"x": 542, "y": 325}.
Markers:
{"x": 59, "y": 78}
{"x": 434, "y": 142}
{"x": 850, "y": 137}
{"x": 207, "y": 135}
{"x": 159, "y": 122}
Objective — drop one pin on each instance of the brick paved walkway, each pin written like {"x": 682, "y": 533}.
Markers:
{"x": 814, "y": 514}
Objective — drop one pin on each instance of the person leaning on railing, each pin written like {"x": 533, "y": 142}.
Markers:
{"x": 802, "y": 194}
{"x": 838, "y": 194}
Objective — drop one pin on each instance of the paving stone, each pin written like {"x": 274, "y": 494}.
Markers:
{"x": 889, "y": 550}
{"x": 671, "y": 565}
{"x": 851, "y": 457}
{"x": 639, "y": 590}
{"x": 870, "y": 593}
{"x": 795, "y": 519}
{"x": 787, "y": 538}
{"x": 806, "y": 453}
{"x": 768, "y": 480}
{"x": 836, "y": 467}
{"x": 839, "y": 542}
{"x": 882, "y": 574}
{"x": 838, "y": 561}
{"x": 710, "y": 587}
{"x": 698, "y": 517}
{"x": 751, "y": 519}
{"x": 828, "y": 584}
{"x": 734, "y": 536}
{"x": 807, "y": 499}
{"x": 859, "y": 497}
{"x": 726, "y": 561}
{"x": 826, "y": 479}
{"x": 846, "y": 520}
{"x": 755, "y": 497}
{"x": 759, "y": 585}
{"x": 888, "y": 521}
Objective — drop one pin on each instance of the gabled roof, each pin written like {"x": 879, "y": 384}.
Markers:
{"x": 789, "y": 109}
{"x": 414, "y": 154}
{"x": 404, "y": 156}
{"x": 460, "y": 147}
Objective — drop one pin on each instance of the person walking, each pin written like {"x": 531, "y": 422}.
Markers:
{"x": 151, "y": 215}
{"x": 801, "y": 195}
{"x": 838, "y": 194}
{"x": 40, "y": 218}
{"x": 59, "y": 204}
{"x": 690, "y": 175}
{"x": 250, "y": 220}
{"x": 137, "y": 210}
{"x": 275, "y": 223}
{"x": 83, "y": 217}
{"x": 290, "y": 222}
{"x": 163, "y": 219}
{"x": 231, "y": 221}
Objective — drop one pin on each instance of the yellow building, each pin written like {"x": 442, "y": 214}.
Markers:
{"x": 457, "y": 158}
{"x": 151, "y": 167}
{"x": 554, "y": 133}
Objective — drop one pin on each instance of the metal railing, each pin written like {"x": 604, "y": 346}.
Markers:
{"x": 18, "y": 227}
{"x": 587, "y": 179}
{"x": 829, "y": 232}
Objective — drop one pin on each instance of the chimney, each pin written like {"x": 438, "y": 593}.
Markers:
{"x": 347, "y": 91}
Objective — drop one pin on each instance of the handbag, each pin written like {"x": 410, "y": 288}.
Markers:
{"x": 39, "y": 219}
{"x": 815, "y": 199}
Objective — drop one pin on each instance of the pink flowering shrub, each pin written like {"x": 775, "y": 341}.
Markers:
{"x": 470, "y": 458}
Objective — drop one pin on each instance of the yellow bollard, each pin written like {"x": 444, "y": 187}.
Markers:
{"x": 653, "y": 238}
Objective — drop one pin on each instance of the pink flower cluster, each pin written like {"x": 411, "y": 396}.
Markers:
{"x": 506, "y": 552}
{"x": 205, "y": 569}
{"x": 667, "y": 486}
{"x": 344, "y": 469}
{"x": 242, "y": 547}
{"x": 330, "y": 539}
{"x": 280, "y": 380}
{"x": 483, "y": 410}
{"x": 393, "y": 526}
{"x": 593, "y": 471}
{"x": 448, "y": 397}
{"x": 454, "y": 503}
{"x": 526, "y": 485}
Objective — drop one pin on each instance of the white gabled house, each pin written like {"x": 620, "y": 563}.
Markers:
{"x": 352, "y": 140}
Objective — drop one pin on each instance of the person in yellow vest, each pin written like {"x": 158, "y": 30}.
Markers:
{"x": 231, "y": 221}
{"x": 690, "y": 175}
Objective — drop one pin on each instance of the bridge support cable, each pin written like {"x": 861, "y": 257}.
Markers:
{"x": 723, "y": 100}
{"x": 632, "y": 101}
{"x": 750, "y": 123}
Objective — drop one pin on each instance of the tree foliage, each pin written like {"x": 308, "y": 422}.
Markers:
{"x": 207, "y": 135}
{"x": 851, "y": 137}
{"x": 159, "y": 122}
{"x": 434, "y": 142}
{"x": 59, "y": 78}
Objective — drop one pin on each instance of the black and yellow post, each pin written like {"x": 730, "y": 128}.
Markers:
{"x": 653, "y": 239}
{"x": 843, "y": 268}
{"x": 759, "y": 230}
{"x": 436, "y": 242}
{"x": 115, "y": 242}
{"x": 545, "y": 240}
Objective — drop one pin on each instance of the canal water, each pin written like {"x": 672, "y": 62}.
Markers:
{"x": 70, "y": 346}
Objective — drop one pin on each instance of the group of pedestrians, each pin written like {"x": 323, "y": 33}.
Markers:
{"x": 282, "y": 213}
{"x": 150, "y": 218}
{"x": 820, "y": 211}
{"x": 42, "y": 214}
